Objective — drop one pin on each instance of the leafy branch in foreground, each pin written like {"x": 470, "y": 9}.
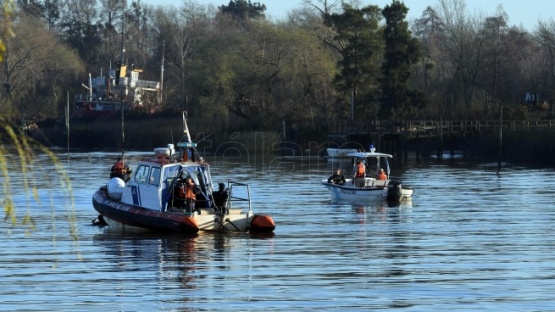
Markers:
{"x": 15, "y": 139}
{"x": 8, "y": 8}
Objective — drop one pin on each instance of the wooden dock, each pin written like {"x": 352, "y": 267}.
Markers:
{"x": 344, "y": 130}
{"x": 426, "y": 137}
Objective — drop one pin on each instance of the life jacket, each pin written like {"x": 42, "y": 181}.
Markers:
{"x": 361, "y": 170}
{"x": 119, "y": 167}
{"x": 382, "y": 176}
{"x": 187, "y": 192}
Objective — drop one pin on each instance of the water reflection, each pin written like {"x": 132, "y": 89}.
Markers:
{"x": 173, "y": 258}
{"x": 377, "y": 211}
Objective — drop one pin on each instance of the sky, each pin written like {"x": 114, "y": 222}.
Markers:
{"x": 525, "y": 13}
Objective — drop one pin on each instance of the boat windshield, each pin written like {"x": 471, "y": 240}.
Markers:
{"x": 170, "y": 173}
{"x": 201, "y": 177}
{"x": 372, "y": 164}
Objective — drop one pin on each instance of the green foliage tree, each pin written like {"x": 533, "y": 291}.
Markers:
{"x": 402, "y": 51}
{"x": 267, "y": 75}
{"x": 244, "y": 10}
{"x": 254, "y": 73}
{"x": 35, "y": 66}
{"x": 357, "y": 40}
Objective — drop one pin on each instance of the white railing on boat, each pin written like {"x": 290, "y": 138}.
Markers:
{"x": 238, "y": 198}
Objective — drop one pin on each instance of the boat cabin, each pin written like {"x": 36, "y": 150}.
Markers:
{"x": 154, "y": 182}
{"x": 373, "y": 162}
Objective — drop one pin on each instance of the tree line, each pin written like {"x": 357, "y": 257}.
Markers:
{"x": 327, "y": 61}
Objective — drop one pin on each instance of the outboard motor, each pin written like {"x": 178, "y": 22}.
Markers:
{"x": 394, "y": 191}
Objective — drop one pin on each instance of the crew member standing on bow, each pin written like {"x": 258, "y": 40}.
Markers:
{"x": 120, "y": 170}
{"x": 360, "y": 174}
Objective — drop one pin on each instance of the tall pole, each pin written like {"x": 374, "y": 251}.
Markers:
{"x": 122, "y": 125}
{"x": 284, "y": 133}
{"x": 121, "y": 86}
{"x": 500, "y": 139}
{"x": 352, "y": 106}
{"x": 162, "y": 73}
{"x": 67, "y": 123}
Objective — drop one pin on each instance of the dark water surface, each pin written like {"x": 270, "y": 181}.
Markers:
{"x": 470, "y": 240}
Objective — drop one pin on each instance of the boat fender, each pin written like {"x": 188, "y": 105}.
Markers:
{"x": 262, "y": 223}
{"x": 115, "y": 188}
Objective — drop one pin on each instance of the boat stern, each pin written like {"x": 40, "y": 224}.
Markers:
{"x": 397, "y": 193}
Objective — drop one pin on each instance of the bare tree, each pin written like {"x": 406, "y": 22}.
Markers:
{"x": 325, "y": 7}
{"x": 545, "y": 34}
{"x": 113, "y": 17}
{"x": 81, "y": 25}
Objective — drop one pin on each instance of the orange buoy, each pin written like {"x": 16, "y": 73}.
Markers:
{"x": 262, "y": 223}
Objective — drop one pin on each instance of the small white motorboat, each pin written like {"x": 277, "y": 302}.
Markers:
{"x": 369, "y": 188}
{"x": 340, "y": 152}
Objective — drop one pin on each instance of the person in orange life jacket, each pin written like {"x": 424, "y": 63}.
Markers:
{"x": 382, "y": 175}
{"x": 120, "y": 170}
{"x": 188, "y": 191}
{"x": 360, "y": 173}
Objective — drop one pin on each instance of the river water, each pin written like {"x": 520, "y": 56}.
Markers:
{"x": 470, "y": 240}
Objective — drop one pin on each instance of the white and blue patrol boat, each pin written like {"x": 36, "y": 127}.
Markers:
{"x": 152, "y": 200}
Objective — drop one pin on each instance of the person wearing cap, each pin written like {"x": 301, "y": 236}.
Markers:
{"x": 382, "y": 175}
{"x": 337, "y": 177}
{"x": 120, "y": 170}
